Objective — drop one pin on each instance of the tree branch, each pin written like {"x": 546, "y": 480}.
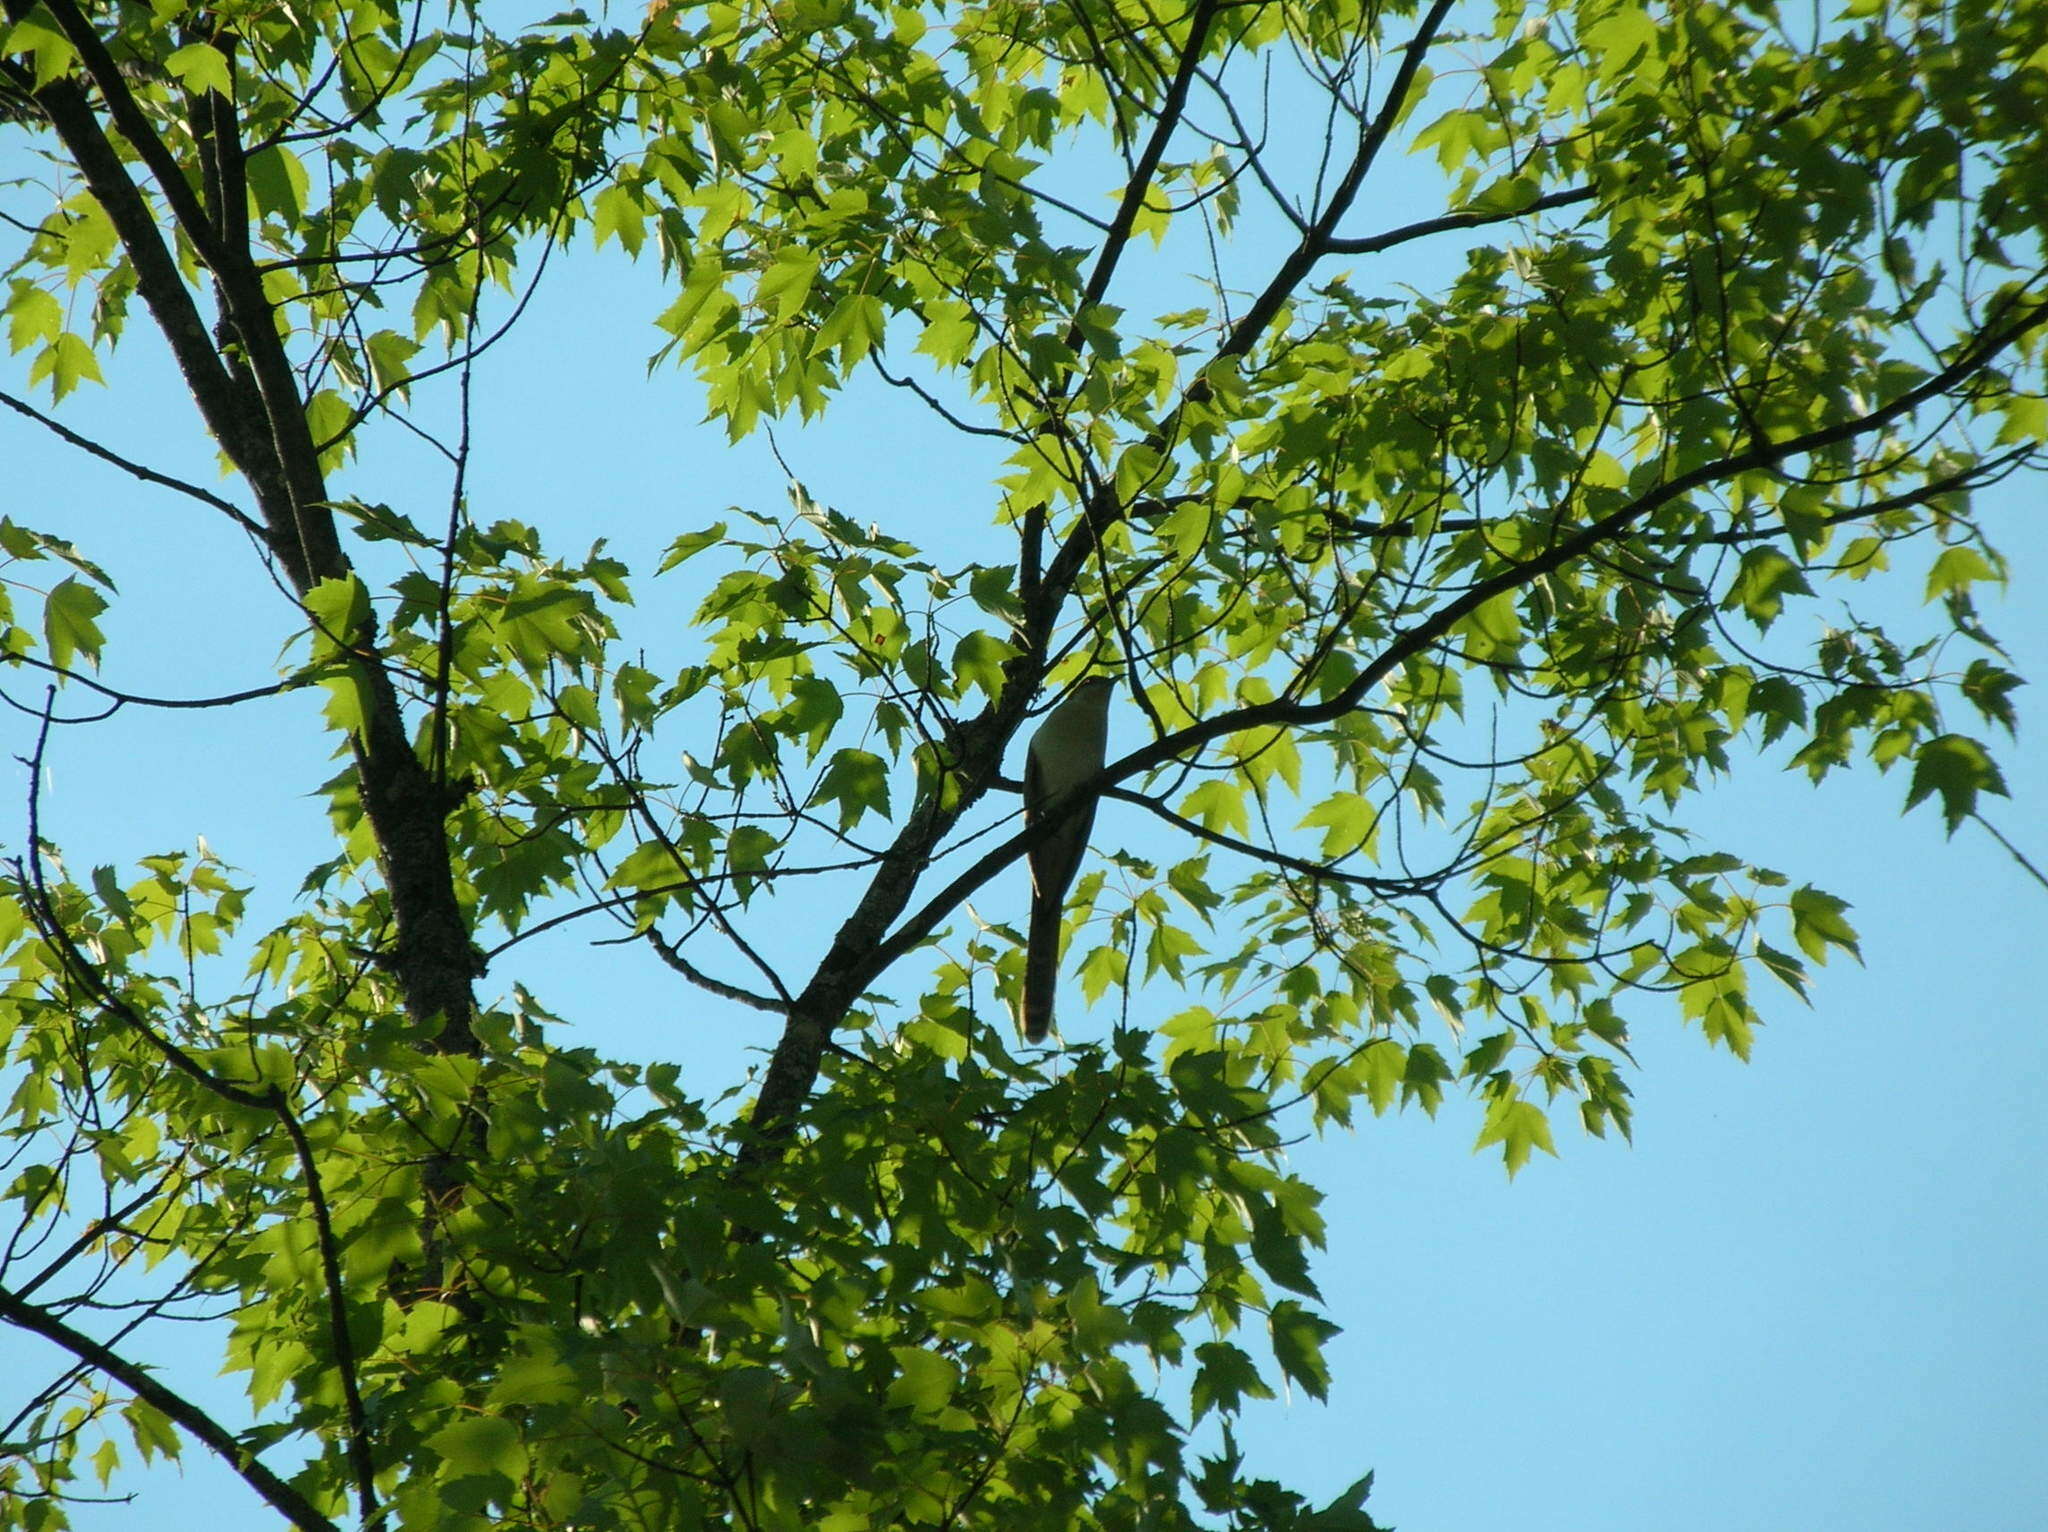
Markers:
{"x": 276, "y": 1493}
{"x": 123, "y": 699}
{"x": 2028, "y": 317}
{"x": 1373, "y": 244}
{"x": 359, "y": 1455}
{"x": 148, "y": 475}
{"x": 705, "y": 981}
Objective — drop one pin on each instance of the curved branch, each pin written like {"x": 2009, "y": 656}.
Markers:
{"x": 1319, "y": 871}
{"x": 123, "y": 699}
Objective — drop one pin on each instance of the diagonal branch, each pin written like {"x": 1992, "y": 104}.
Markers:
{"x": 1315, "y": 240}
{"x": 2024, "y": 319}
{"x": 138, "y": 1380}
{"x": 1139, "y": 185}
{"x": 148, "y": 475}
{"x": 1283, "y": 713}
{"x": 666, "y": 950}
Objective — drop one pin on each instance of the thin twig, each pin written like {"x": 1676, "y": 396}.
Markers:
{"x": 2011, "y": 850}
{"x": 128, "y": 465}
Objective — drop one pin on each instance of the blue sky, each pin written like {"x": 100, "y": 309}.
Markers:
{"x": 1807, "y": 1296}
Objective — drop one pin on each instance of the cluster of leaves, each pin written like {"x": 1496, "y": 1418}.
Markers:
{"x": 1434, "y": 608}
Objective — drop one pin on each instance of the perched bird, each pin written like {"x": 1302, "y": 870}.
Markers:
{"x": 1065, "y": 753}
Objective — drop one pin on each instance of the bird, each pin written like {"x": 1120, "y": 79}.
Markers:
{"x": 1064, "y": 754}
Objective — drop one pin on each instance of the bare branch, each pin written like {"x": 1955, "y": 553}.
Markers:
{"x": 1373, "y": 244}
{"x": 705, "y": 981}
{"x": 123, "y": 699}
{"x": 127, "y": 465}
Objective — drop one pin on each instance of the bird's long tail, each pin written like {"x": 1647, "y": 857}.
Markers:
{"x": 1041, "y": 966}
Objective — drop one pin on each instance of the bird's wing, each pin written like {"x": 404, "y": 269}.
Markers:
{"x": 1056, "y": 859}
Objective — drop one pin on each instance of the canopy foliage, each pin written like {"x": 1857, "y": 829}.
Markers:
{"x": 1433, "y": 604}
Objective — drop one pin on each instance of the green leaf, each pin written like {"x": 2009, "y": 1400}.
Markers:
{"x": 978, "y": 661}
{"x": 1346, "y": 1513}
{"x": 943, "y": 1038}
{"x": 1298, "y": 1337}
{"x": 858, "y": 781}
{"x": 1619, "y": 39}
{"x": 689, "y": 545}
{"x": 924, "y": 1381}
{"x": 949, "y": 333}
{"x": 69, "y": 628}
{"x": 278, "y": 184}
{"x": 1217, "y": 804}
{"x": 619, "y": 212}
{"x": 1957, "y": 769}
{"x": 32, "y": 315}
{"x": 1762, "y": 583}
{"x": 1487, "y": 1056}
{"x": 36, "y": 35}
{"x": 543, "y": 619}
{"x": 1957, "y": 569}
{"x": 1386, "y": 1063}
{"x": 1989, "y": 688}
{"x": 201, "y": 67}
{"x": 1424, "y": 1077}
{"x": 481, "y": 1445}
{"x": 1818, "y": 924}
{"x": 338, "y": 610}
{"x": 1518, "y": 1126}
{"x": 1347, "y": 820}
{"x": 1224, "y": 1378}
{"x": 67, "y": 362}
{"x": 787, "y": 283}
{"x": 578, "y": 704}
{"x": 1715, "y": 993}
{"x": 154, "y": 1434}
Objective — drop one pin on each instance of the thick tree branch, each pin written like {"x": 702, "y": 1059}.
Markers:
{"x": 285, "y": 441}
{"x": 170, "y": 303}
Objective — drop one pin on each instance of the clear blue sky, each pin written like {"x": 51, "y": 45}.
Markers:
{"x": 1809, "y": 1296}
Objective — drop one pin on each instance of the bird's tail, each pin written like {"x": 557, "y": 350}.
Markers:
{"x": 1041, "y": 967}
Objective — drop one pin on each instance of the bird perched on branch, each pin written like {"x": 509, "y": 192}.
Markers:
{"x": 1064, "y": 754}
